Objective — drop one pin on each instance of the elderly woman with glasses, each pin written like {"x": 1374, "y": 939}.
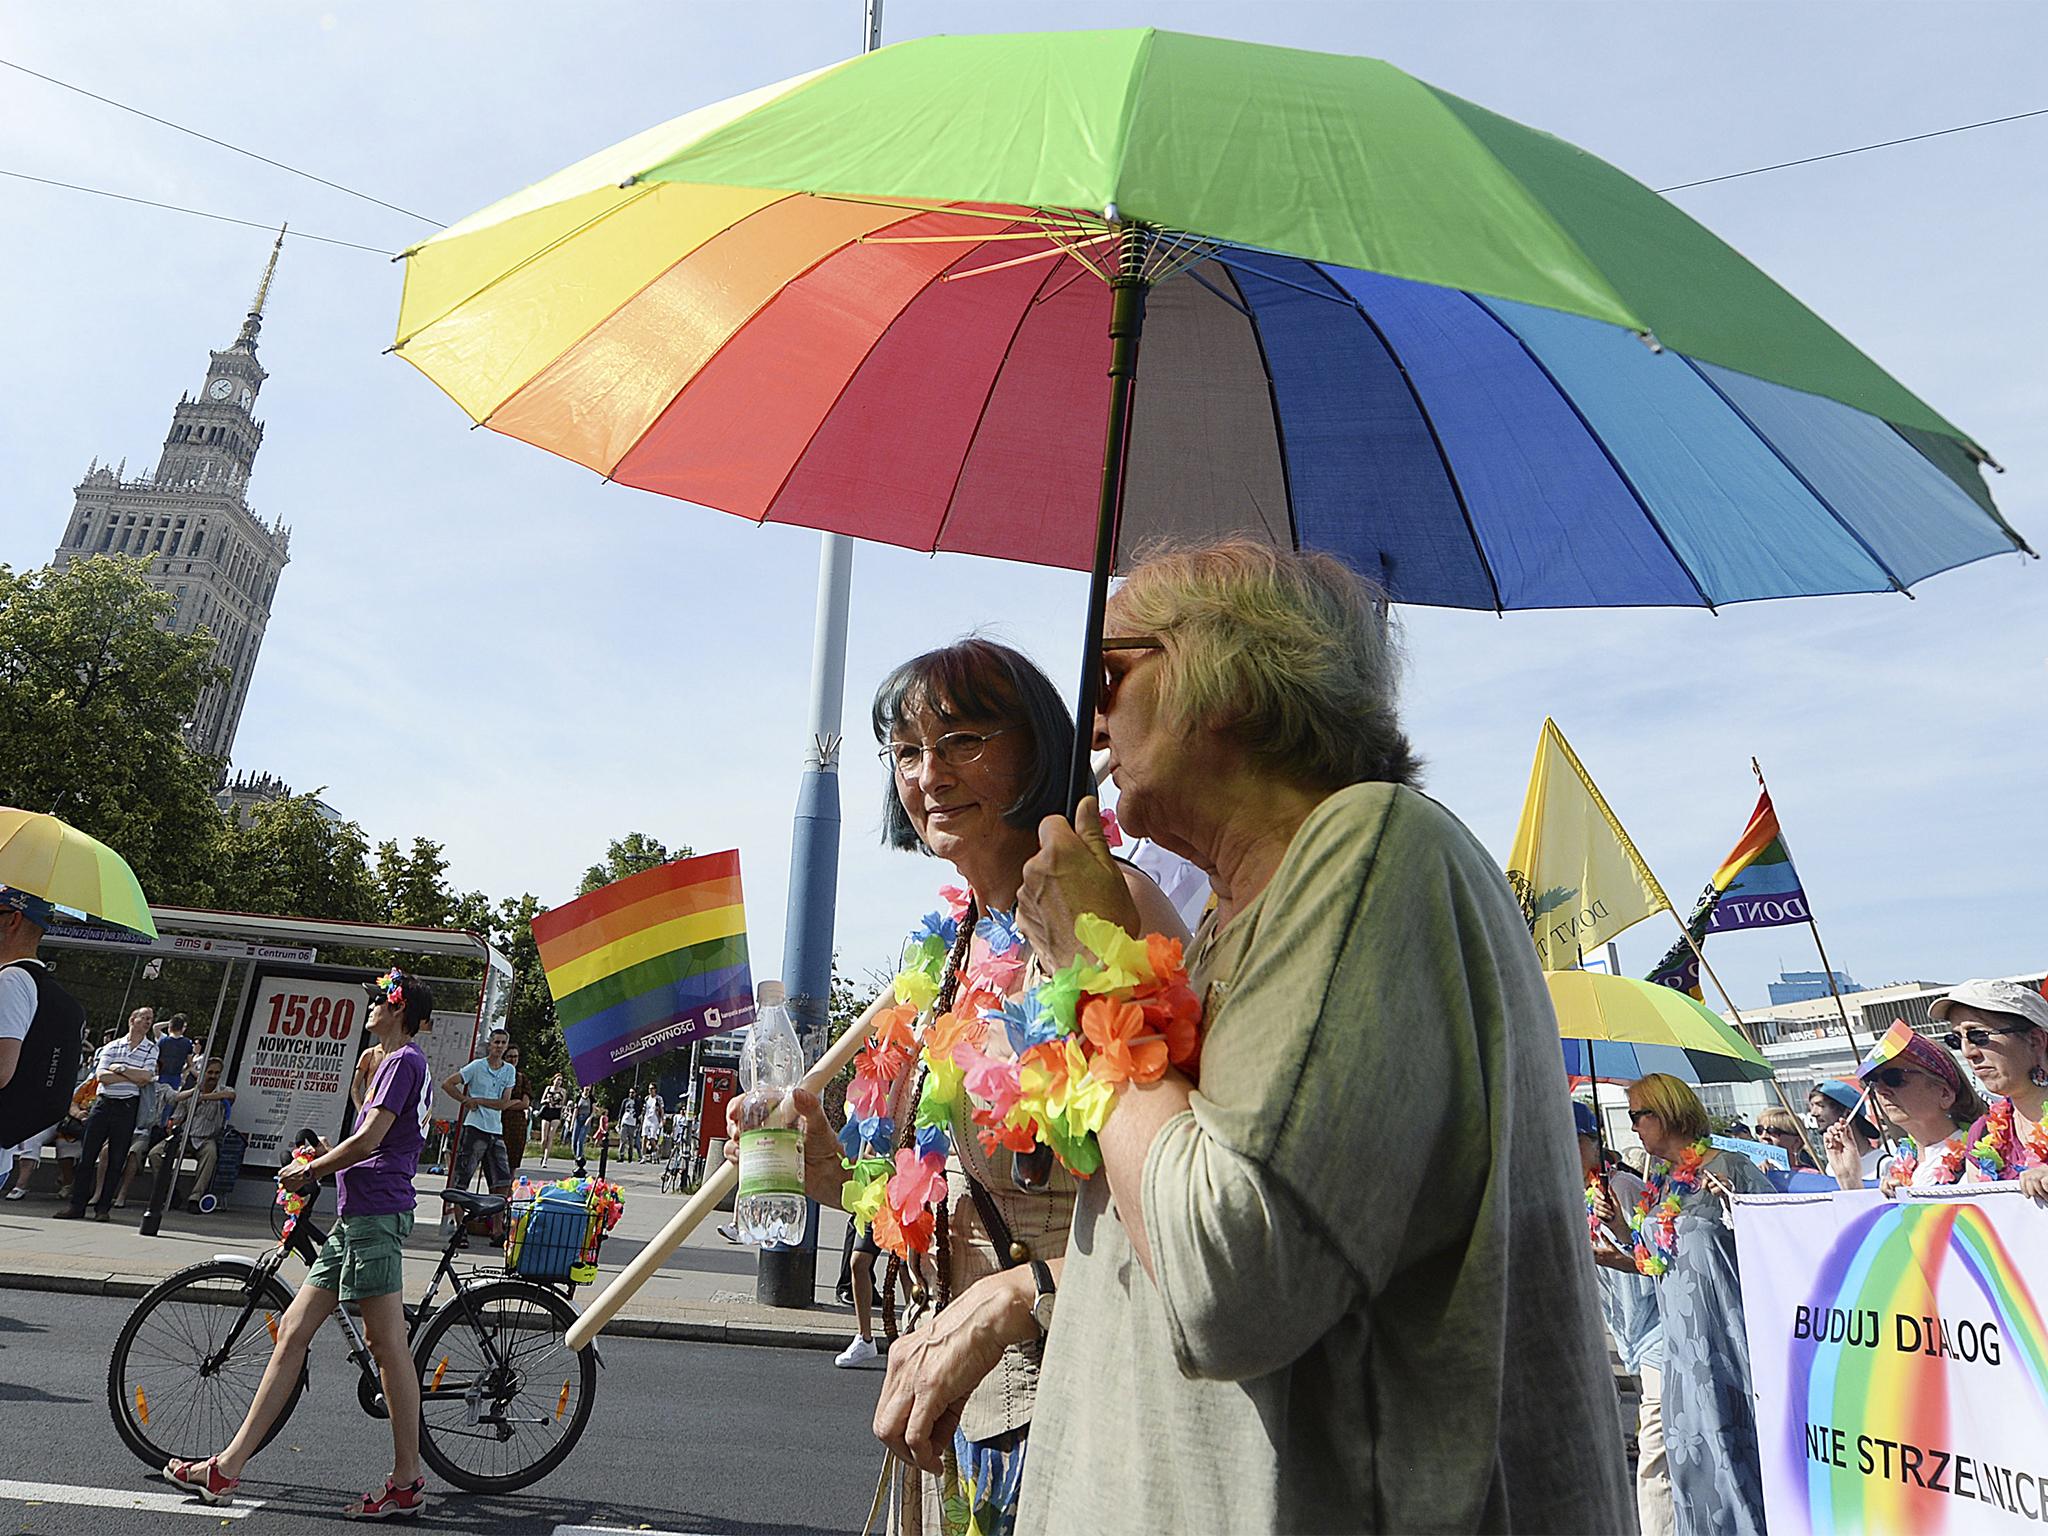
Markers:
{"x": 1678, "y": 1229}
{"x": 976, "y": 744}
{"x": 2001, "y": 1027}
{"x": 1922, "y": 1093}
{"x": 1338, "y": 1280}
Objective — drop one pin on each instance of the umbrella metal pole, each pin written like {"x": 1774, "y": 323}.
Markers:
{"x": 1749, "y": 1034}
{"x": 1126, "y": 326}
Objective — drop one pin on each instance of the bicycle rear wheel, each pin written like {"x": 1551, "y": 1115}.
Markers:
{"x": 502, "y": 1396}
{"x": 187, "y": 1362}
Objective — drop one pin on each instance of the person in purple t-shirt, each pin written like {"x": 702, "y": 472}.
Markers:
{"x": 362, "y": 1262}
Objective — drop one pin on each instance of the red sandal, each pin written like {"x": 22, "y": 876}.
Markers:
{"x": 204, "y": 1478}
{"x": 396, "y": 1502}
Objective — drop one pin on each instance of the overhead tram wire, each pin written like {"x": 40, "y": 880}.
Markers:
{"x": 222, "y": 143}
{"x": 1705, "y": 181}
{"x": 1860, "y": 149}
{"x": 197, "y": 213}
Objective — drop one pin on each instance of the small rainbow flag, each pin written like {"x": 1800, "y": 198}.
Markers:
{"x": 1755, "y": 887}
{"x": 648, "y": 963}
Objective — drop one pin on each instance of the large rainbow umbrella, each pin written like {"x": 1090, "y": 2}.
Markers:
{"x": 902, "y": 298}
{"x": 54, "y": 860}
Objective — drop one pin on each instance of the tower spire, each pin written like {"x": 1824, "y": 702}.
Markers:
{"x": 253, "y": 324}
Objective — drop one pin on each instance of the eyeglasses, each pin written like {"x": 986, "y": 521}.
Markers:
{"x": 955, "y": 749}
{"x": 1894, "y": 1077}
{"x": 1110, "y": 679}
{"x": 1980, "y": 1038}
{"x": 1639, "y": 1114}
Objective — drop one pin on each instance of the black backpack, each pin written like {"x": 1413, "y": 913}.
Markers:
{"x": 46, "y": 1072}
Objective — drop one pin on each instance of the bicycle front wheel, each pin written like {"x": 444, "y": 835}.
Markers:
{"x": 187, "y": 1362}
{"x": 503, "y": 1398}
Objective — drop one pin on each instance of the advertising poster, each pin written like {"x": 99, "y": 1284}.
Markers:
{"x": 1899, "y": 1359}
{"x": 301, "y": 1035}
{"x": 449, "y": 1040}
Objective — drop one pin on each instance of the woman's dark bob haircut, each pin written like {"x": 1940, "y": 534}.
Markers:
{"x": 978, "y": 680}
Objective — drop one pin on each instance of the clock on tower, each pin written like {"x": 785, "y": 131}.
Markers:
{"x": 221, "y": 388}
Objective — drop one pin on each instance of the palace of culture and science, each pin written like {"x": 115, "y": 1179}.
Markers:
{"x": 205, "y": 544}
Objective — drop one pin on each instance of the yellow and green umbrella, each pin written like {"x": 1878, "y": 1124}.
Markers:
{"x": 60, "y": 864}
{"x": 1618, "y": 1029}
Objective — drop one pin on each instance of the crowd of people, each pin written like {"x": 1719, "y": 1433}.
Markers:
{"x": 1346, "y": 1272}
{"x": 142, "y": 1093}
{"x": 1381, "y": 1350}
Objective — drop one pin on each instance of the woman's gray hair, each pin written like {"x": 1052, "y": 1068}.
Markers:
{"x": 1292, "y": 655}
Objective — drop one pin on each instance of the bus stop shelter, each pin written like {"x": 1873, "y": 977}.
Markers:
{"x": 287, "y": 1015}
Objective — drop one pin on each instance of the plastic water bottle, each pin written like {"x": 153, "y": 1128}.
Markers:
{"x": 771, "y": 1207}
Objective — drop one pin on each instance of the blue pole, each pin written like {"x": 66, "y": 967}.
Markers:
{"x": 814, "y": 841}
{"x": 787, "y": 1277}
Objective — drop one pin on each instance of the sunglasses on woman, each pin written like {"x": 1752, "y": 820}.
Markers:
{"x": 1894, "y": 1077}
{"x": 1980, "y": 1037}
{"x": 1639, "y": 1114}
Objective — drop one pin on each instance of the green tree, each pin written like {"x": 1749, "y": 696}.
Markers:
{"x": 531, "y": 1016}
{"x": 94, "y": 696}
{"x": 291, "y": 858}
{"x": 627, "y": 855}
{"x": 413, "y": 885}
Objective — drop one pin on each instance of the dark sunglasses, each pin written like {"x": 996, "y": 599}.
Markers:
{"x": 1637, "y": 1114}
{"x": 1980, "y": 1037}
{"x": 1894, "y": 1077}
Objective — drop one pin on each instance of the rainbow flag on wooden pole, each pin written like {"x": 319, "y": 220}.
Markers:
{"x": 648, "y": 963}
{"x": 1755, "y": 887}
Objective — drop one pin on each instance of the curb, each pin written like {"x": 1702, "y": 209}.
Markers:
{"x": 675, "y": 1329}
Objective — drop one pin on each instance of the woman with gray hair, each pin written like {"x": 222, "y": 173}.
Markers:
{"x": 1340, "y": 1281}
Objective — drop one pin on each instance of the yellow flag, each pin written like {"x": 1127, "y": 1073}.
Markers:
{"x": 1578, "y": 877}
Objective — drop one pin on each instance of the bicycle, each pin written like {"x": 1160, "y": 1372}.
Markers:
{"x": 187, "y": 1362}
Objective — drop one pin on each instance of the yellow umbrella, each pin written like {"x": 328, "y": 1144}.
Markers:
{"x": 43, "y": 856}
{"x": 1617, "y": 1028}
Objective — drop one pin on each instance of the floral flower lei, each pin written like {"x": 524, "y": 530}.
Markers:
{"x": 1906, "y": 1161}
{"x": 1654, "y": 1222}
{"x": 1120, "y": 1012}
{"x": 1999, "y": 1153}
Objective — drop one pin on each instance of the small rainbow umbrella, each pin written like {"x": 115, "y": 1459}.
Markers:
{"x": 48, "y": 858}
{"x": 902, "y": 297}
{"x": 1619, "y": 1029}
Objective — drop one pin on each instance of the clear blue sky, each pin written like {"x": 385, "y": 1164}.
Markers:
{"x": 581, "y": 660}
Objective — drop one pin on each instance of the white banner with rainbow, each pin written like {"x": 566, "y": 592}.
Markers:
{"x": 1899, "y": 1359}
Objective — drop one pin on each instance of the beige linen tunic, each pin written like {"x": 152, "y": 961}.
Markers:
{"x": 1375, "y": 1309}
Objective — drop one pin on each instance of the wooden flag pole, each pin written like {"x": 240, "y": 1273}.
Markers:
{"x": 716, "y": 1186}
{"x": 1749, "y": 1034}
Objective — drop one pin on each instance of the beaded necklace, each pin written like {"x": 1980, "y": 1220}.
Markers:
{"x": 1653, "y": 1224}
{"x": 1999, "y": 1153}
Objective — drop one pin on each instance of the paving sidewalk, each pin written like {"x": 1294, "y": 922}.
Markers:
{"x": 703, "y": 1291}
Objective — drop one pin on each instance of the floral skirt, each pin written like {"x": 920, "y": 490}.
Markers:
{"x": 976, "y": 1495}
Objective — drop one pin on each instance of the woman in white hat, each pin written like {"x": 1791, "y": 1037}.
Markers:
{"x": 2001, "y": 1027}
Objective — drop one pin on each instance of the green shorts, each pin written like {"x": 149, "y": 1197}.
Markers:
{"x": 364, "y": 1256}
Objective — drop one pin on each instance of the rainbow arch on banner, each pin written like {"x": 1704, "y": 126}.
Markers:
{"x": 1891, "y": 1260}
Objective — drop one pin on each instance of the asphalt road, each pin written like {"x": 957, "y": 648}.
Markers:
{"x": 684, "y": 1438}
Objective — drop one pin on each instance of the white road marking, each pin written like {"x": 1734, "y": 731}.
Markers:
{"x": 621, "y": 1530}
{"x": 126, "y": 1498}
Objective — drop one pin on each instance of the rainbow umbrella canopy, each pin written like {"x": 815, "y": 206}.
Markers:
{"x": 902, "y": 298}
{"x": 54, "y": 860}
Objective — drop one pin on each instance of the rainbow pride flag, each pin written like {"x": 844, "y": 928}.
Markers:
{"x": 648, "y": 963}
{"x": 1755, "y": 887}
